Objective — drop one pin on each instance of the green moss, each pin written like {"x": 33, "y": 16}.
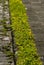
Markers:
{"x": 27, "y": 52}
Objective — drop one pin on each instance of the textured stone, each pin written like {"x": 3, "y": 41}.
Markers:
{"x": 25, "y": 1}
{"x": 35, "y": 12}
{"x": 35, "y": 0}
{"x": 5, "y": 35}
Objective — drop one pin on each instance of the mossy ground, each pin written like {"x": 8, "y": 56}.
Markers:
{"x": 27, "y": 52}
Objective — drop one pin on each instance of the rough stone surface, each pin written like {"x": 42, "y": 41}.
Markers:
{"x": 35, "y": 12}
{"x": 5, "y": 36}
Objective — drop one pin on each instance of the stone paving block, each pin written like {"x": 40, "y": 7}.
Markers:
{"x": 42, "y": 22}
{"x": 28, "y": 6}
{"x": 36, "y": 3}
{"x": 38, "y": 25}
{"x": 40, "y": 35}
{"x": 36, "y": 7}
{"x": 32, "y": 18}
{"x": 38, "y": 38}
{"x": 41, "y": 14}
{"x": 35, "y": 30}
{"x": 39, "y": 43}
{"x": 40, "y": 51}
{"x": 25, "y": 1}
{"x": 42, "y": 1}
{"x": 35, "y": 0}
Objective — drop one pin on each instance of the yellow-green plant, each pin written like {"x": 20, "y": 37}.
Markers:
{"x": 27, "y": 52}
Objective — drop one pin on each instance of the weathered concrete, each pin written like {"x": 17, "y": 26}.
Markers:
{"x": 35, "y": 12}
